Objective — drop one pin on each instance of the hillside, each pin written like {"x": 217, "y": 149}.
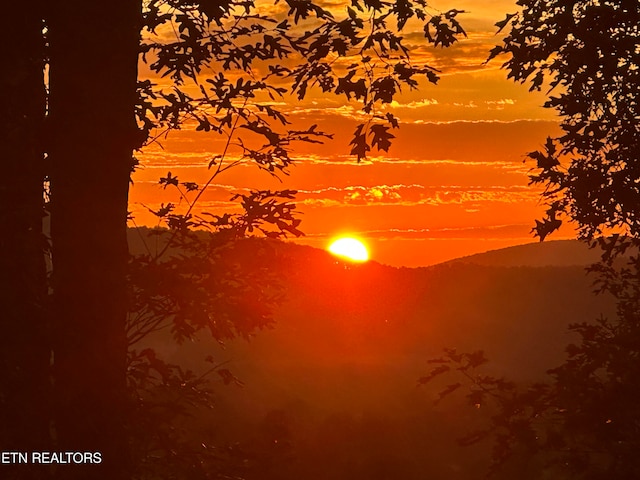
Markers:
{"x": 559, "y": 253}
{"x": 333, "y": 383}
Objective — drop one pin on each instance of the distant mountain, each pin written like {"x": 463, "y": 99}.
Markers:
{"x": 331, "y": 390}
{"x": 560, "y": 253}
{"x": 516, "y": 303}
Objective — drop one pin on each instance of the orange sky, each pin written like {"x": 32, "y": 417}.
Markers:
{"x": 452, "y": 184}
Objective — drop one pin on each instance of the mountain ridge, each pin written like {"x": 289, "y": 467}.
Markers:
{"x": 535, "y": 254}
{"x": 563, "y": 253}
{"x": 330, "y": 390}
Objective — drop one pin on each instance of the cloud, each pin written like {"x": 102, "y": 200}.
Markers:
{"x": 425, "y": 102}
{"x": 415, "y": 195}
{"x": 516, "y": 231}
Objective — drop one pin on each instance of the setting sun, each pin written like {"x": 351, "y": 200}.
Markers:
{"x": 350, "y": 248}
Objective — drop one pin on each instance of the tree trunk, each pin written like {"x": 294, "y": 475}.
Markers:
{"x": 94, "y": 52}
{"x": 24, "y": 348}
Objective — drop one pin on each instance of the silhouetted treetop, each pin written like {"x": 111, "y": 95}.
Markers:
{"x": 224, "y": 68}
{"x": 587, "y": 54}
{"x": 583, "y": 421}
{"x": 255, "y": 52}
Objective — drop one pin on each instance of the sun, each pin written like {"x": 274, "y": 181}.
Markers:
{"x": 350, "y": 248}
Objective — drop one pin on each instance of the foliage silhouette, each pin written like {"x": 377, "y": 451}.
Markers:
{"x": 266, "y": 54}
{"x": 250, "y": 60}
{"x": 582, "y": 422}
{"x": 587, "y": 55}
{"x": 98, "y": 113}
{"x": 346, "y": 345}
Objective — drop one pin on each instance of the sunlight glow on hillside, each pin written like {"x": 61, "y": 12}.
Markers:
{"x": 350, "y": 248}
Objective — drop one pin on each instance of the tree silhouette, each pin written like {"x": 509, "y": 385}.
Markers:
{"x": 586, "y": 53}
{"x": 97, "y": 114}
{"x": 583, "y": 422}
{"x": 249, "y": 65}
{"x": 24, "y": 349}
{"x": 93, "y": 75}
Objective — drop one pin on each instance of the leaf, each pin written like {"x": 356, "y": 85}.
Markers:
{"x": 493, "y": 53}
{"x": 190, "y": 186}
{"x": 433, "y": 374}
{"x": 393, "y": 121}
{"x": 476, "y": 359}
{"x": 447, "y": 391}
{"x": 545, "y": 227}
{"x": 503, "y": 23}
{"x": 349, "y": 87}
{"x": 168, "y": 180}
{"x": 381, "y": 137}
{"x": 544, "y": 162}
{"x": 360, "y": 147}
{"x": 384, "y": 89}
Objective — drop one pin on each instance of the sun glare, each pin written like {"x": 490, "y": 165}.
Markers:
{"x": 350, "y": 248}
